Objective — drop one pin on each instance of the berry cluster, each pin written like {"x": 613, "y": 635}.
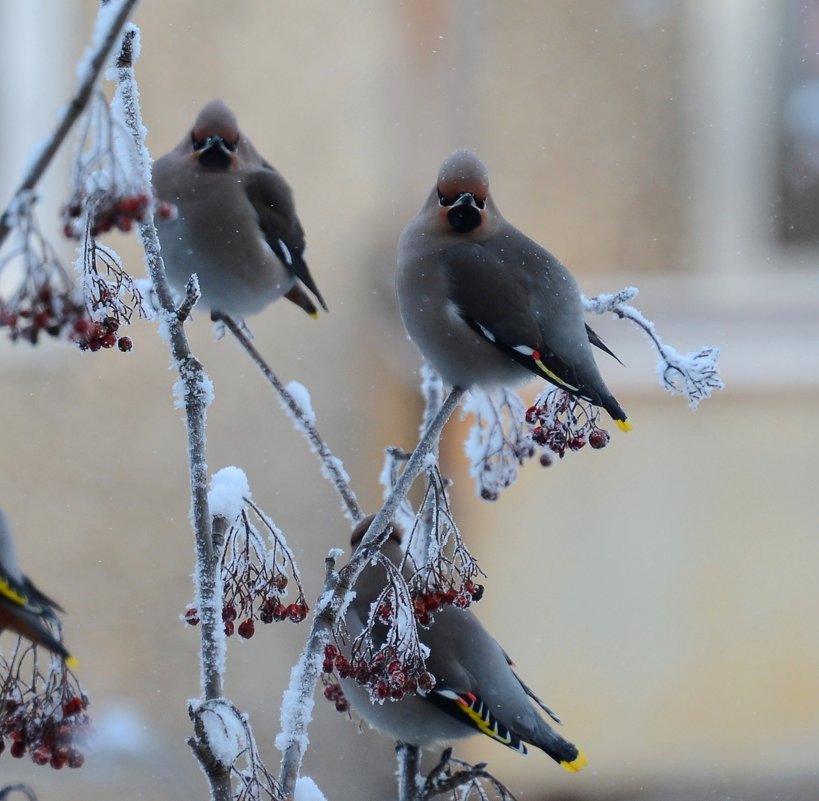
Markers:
{"x": 271, "y": 609}
{"x": 90, "y": 335}
{"x": 425, "y": 603}
{"x": 50, "y": 739}
{"x": 334, "y": 693}
{"x": 113, "y": 212}
{"x": 560, "y": 422}
{"x": 40, "y": 310}
{"x": 385, "y": 673}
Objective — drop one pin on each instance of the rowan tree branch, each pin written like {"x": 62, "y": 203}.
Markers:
{"x": 69, "y": 116}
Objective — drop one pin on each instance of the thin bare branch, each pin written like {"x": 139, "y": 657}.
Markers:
{"x": 70, "y": 115}
{"x": 330, "y": 463}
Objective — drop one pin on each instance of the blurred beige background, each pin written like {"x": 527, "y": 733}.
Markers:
{"x": 660, "y": 594}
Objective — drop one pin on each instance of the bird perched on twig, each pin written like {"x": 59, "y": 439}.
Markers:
{"x": 236, "y": 225}
{"x": 485, "y": 304}
{"x": 475, "y": 690}
{"x": 24, "y": 609}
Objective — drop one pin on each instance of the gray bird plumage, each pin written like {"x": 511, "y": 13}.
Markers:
{"x": 236, "y": 225}
{"x": 24, "y": 609}
{"x": 485, "y": 304}
{"x": 476, "y": 688}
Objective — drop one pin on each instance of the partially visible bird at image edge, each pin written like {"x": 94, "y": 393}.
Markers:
{"x": 486, "y": 305}
{"x": 24, "y": 609}
{"x": 236, "y": 225}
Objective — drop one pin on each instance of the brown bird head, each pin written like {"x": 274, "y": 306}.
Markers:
{"x": 463, "y": 189}
{"x": 215, "y": 136}
{"x": 396, "y": 535}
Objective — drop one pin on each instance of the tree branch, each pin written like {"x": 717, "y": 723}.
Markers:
{"x": 409, "y": 760}
{"x": 70, "y": 114}
{"x": 330, "y": 463}
{"x": 195, "y": 389}
{"x": 298, "y": 698}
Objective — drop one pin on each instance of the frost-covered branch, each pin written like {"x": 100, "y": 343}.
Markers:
{"x": 304, "y": 420}
{"x": 194, "y": 393}
{"x": 112, "y": 16}
{"x": 409, "y": 779}
{"x": 6, "y": 791}
{"x": 471, "y": 781}
{"x": 297, "y": 706}
{"x": 694, "y": 374}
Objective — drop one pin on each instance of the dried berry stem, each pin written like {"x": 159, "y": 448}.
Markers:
{"x": 330, "y": 463}
{"x": 70, "y": 115}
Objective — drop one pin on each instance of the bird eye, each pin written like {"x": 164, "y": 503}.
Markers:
{"x": 480, "y": 203}
{"x": 443, "y": 200}
{"x": 232, "y": 146}
{"x": 197, "y": 145}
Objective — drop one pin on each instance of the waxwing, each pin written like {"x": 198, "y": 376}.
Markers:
{"x": 476, "y": 688}
{"x": 24, "y": 609}
{"x": 485, "y": 304}
{"x": 236, "y": 225}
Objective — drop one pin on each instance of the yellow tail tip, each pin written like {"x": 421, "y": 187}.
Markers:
{"x": 577, "y": 764}
{"x": 72, "y": 662}
{"x": 314, "y": 315}
{"x": 624, "y": 425}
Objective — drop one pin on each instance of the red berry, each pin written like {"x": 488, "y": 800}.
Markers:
{"x": 75, "y": 759}
{"x": 228, "y": 628}
{"x": 342, "y": 705}
{"x": 599, "y": 438}
{"x": 125, "y": 344}
{"x": 246, "y": 629}
{"x": 297, "y": 612}
{"x": 545, "y": 460}
{"x": 72, "y": 706}
{"x": 330, "y": 651}
{"x": 18, "y": 749}
{"x": 41, "y": 755}
{"x": 426, "y": 681}
{"x": 228, "y": 613}
{"x": 108, "y": 340}
{"x": 192, "y": 616}
{"x": 59, "y": 760}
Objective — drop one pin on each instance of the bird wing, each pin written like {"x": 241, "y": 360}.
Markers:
{"x": 489, "y": 303}
{"x": 24, "y": 595}
{"x": 271, "y": 199}
{"x": 471, "y": 710}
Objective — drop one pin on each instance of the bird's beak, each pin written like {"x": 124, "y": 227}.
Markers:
{"x": 215, "y": 154}
{"x": 464, "y": 214}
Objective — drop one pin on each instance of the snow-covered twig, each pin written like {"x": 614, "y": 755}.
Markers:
{"x": 304, "y": 421}
{"x": 196, "y": 392}
{"x": 694, "y": 374}
{"x": 297, "y": 707}
{"x": 115, "y": 15}
{"x": 409, "y": 779}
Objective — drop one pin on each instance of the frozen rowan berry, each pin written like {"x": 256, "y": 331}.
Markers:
{"x": 296, "y": 612}
{"x": 599, "y": 438}
{"x": 75, "y": 758}
{"x": 59, "y": 760}
{"x": 279, "y": 581}
{"x": 125, "y": 344}
{"x": 228, "y": 628}
{"x": 279, "y": 611}
{"x": 342, "y": 665}
{"x": 18, "y": 749}
{"x": 489, "y": 495}
{"x": 327, "y": 666}
{"x": 381, "y": 690}
{"x": 476, "y": 591}
{"x": 330, "y": 651}
{"x": 363, "y": 674}
{"x": 228, "y": 613}
{"x": 546, "y": 460}
{"x": 424, "y": 619}
{"x": 72, "y": 706}
{"x": 426, "y": 681}
{"x": 531, "y": 415}
{"x": 577, "y": 442}
{"x": 462, "y": 601}
{"x": 192, "y": 616}
{"x": 41, "y": 755}
{"x": 246, "y": 629}
{"x": 342, "y": 704}
{"x": 108, "y": 340}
